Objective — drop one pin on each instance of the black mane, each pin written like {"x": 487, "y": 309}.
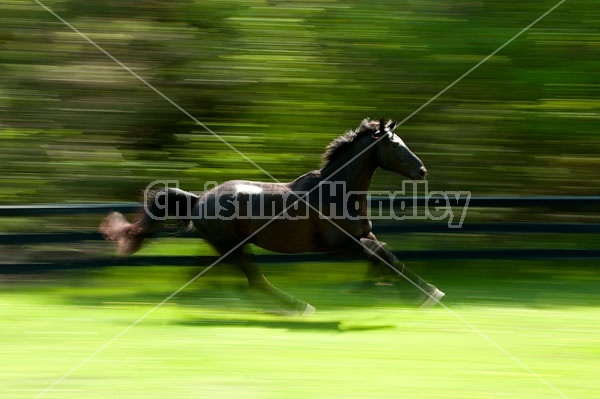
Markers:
{"x": 341, "y": 144}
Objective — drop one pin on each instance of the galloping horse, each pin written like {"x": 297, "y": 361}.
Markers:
{"x": 321, "y": 211}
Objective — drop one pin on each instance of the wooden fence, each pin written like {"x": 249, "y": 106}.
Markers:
{"x": 561, "y": 204}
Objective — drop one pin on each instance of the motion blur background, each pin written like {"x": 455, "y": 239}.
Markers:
{"x": 280, "y": 79}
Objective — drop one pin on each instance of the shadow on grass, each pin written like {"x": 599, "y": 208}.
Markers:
{"x": 298, "y": 325}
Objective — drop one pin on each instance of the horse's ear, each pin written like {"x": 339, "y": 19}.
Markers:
{"x": 391, "y": 125}
{"x": 381, "y": 130}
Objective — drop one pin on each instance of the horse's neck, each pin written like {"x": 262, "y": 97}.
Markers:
{"x": 356, "y": 173}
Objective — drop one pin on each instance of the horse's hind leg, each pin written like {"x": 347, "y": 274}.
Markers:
{"x": 380, "y": 257}
{"x": 258, "y": 280}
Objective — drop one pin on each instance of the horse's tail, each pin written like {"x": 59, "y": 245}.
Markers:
{"x": 165, "y": 204}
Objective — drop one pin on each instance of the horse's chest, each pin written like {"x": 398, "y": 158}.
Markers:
{"x": 336, "y": 232}
{"x": 360, "y": 229}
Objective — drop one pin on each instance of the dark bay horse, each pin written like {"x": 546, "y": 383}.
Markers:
{"x": 321, "y": 211}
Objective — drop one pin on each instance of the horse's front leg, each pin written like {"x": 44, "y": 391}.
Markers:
{"x": 381, "y": 260}
{"x": 257, "y": 280}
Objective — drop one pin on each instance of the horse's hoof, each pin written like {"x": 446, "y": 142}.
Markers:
{"x": 433, "y": 298}
{"x": 309, "y": 310}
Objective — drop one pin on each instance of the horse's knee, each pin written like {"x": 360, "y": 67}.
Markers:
{"x": 381, "y": 255}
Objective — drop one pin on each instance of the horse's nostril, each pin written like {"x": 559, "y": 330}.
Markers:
{"x": 423, "y": 171}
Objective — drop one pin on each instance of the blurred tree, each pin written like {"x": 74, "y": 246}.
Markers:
{"x": 280, "y": 79}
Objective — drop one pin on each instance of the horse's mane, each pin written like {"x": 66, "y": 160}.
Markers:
{"x": 341, "y": 144}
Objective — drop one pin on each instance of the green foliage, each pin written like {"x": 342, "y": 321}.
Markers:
{"x": 280, "y": 79}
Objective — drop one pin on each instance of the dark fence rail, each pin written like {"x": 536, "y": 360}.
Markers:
{"x": 481, "y": 254}
{"x": 437, "y": 228}
{"x": 66, "y": 209}
{"x": 565, "y": 202}
{"x": 560, "y": 203}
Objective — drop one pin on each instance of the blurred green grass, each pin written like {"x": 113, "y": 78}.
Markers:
{"x": 218, "y": 339}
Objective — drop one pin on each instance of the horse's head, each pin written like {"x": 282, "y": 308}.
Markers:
{"x": 394, "y": 155}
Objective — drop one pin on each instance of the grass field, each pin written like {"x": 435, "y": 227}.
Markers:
{"x": 217, "y": 339}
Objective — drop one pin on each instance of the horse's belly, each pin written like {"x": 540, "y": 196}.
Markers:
{"x": 287, "y": 236}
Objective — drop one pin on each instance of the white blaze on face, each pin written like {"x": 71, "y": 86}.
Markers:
{"x": 398, "y": 140}
{"x": 247, "y": 189}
